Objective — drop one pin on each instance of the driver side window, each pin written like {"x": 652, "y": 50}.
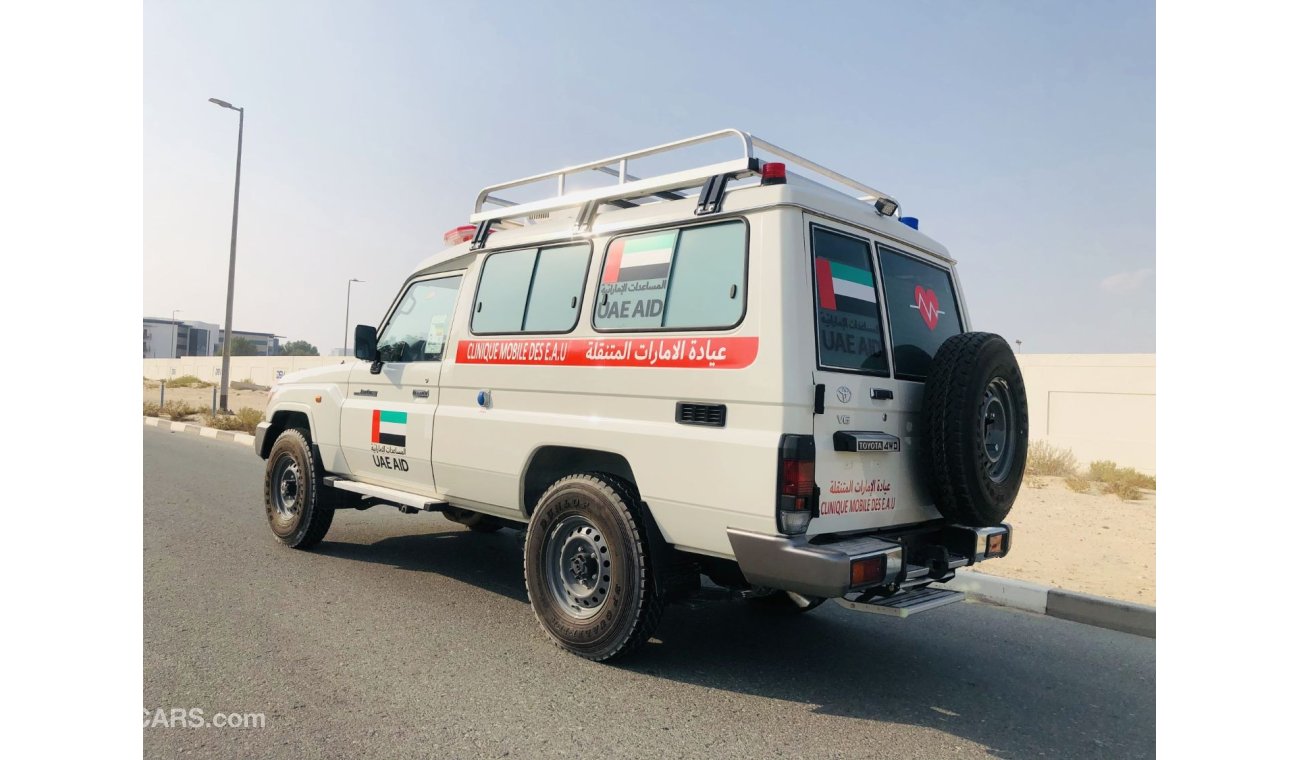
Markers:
{"x": 417, "y": 330}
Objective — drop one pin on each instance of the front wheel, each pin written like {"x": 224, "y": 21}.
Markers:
{"x": 587, "y": 568}
{"x": 297, "y": 508}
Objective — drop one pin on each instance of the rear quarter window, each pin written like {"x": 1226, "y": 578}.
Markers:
{"x": 922, "y": 305}
{"x": 680, "y": 279}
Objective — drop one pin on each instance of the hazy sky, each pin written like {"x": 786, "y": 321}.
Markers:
{"x": 1022, "y": 135}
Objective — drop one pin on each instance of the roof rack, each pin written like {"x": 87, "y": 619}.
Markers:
{"x": 631, "y": 187}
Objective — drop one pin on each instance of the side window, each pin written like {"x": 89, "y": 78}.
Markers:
{"x": 849, "y": 335}
{"x": 922, "y": 311}
{"x": 531, "y": 290}
{"x": 690, "y": 278}
{"x": 503, "y": 291}
{"x": 417, "y": 330}
{"x": 557, "y": 289}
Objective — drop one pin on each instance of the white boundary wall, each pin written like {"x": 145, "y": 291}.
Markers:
{"x": 259, "y": 369}
{"x": 1100, "y": 406}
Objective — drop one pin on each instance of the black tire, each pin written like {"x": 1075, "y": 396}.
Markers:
{"x": 976, "y": 420}
{"x": 589, "y": 529}
{"x": 298, "y": 506}
{"x": 779, "y": 602}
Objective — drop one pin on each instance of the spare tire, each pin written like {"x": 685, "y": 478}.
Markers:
{"x": 976, "y": 421}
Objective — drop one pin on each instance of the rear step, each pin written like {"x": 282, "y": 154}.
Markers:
{"x": 401, "y": 499}
{"x": 906, "y": 603}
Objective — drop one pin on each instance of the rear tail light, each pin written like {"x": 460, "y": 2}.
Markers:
{"x": 773, "y": 173}
{"x": 796, "y": 493}
{"x": 868, "y": 571}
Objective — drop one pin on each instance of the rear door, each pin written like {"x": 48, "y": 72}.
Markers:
{"x": 868, "y": 443}
{"x": 387, "y": 417}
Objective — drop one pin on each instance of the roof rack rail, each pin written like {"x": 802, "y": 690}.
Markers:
{"x": 663, "y": 186}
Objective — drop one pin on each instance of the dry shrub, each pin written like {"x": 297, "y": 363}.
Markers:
{"x": 1033, "y": 481}
{"x": 1046, "y": 459}
{"x": 247, "y": 385}
{"x": 1129, "y": 479}
{"x": 151, "y": 409}
{"x": 1078, "y": 484}
{"x": 1126, "y": 491}
{"x": 178, "y": 410}
{"x": 187, "y": 381}
{"x": 245, "y": 420}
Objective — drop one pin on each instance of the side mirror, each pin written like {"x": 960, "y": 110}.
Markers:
{"x": 367, "y": 343}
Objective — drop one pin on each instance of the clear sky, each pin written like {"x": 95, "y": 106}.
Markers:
{"x": 1021, "y": 134}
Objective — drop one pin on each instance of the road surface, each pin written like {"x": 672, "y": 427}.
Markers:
{"x": 410, "y": 636}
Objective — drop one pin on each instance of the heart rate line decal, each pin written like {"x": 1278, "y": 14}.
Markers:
{"x": 928, "y": 304}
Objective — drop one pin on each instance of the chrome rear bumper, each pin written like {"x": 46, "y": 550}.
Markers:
{"x": 793, "y": 563}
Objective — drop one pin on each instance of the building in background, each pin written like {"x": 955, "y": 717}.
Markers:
{"x": 167, "y": 339}
{"x": 264, "y": 344}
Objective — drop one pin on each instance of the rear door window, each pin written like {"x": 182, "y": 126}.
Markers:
{"x": 682, "y": 279}
{"x": 849, "y": 335}
{"x": 923, "y": 313}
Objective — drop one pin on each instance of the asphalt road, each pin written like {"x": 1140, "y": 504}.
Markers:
{"x": 410, "y": 636}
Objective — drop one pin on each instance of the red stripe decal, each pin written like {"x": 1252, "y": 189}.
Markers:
{"x": 374, "y": 427}
{"x": 613, "y": 262}
{"x": 701, "y": 353}
{"x": 825, "y": 286}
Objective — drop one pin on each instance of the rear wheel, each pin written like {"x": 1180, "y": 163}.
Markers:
{"x": 587, "y": 567}
{"x": 297, "y": 507}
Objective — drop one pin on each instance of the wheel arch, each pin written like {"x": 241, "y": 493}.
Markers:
{"x": 282, "y": 419}
{"x": 548, "y": 464}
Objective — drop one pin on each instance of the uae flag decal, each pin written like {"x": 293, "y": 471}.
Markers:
{"x": 388, "y": 428}
{"x": 844, "y": 287}
{"x": 644, "y": 257}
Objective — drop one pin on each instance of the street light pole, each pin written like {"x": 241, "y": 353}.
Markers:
{"x": 347, "y": 316}
{"x": 176, "y": 332}
{"x": 230, "y": 283}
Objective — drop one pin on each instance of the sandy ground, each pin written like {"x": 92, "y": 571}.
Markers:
{"x": 1093, "y": 543}
{"x": 203, "y": 397}
{"x": 1082, "y": 542}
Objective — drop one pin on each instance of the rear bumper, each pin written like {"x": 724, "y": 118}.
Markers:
{"x": 794, "y": 563}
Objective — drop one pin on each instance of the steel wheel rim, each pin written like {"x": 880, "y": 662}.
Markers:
{"x": 998, "y": 426}
{"x": 576, "y": 565}
{"x": 286, "y": 490}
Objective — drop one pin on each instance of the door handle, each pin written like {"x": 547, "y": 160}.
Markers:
{"x": 366, "y": 392}
{"x": 881, "y": 394}
{"x": 420, "y": 392}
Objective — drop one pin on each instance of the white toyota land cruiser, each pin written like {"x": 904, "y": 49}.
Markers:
{"x": 729, "y": 370}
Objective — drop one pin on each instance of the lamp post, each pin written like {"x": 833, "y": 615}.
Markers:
{"x": 347, "y": 316}
{"x": 175, "y": 334}
{"x": 1017, "y": 345}
{"x": 230, "y": 284}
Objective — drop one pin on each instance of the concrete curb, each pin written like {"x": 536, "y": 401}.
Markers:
{"x": 244, "y": 439}
{"x": 1075, "y": 606}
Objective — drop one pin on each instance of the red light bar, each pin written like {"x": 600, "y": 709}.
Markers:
{"x": 773, "y": 173}
{"x": 458, "y": 235}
